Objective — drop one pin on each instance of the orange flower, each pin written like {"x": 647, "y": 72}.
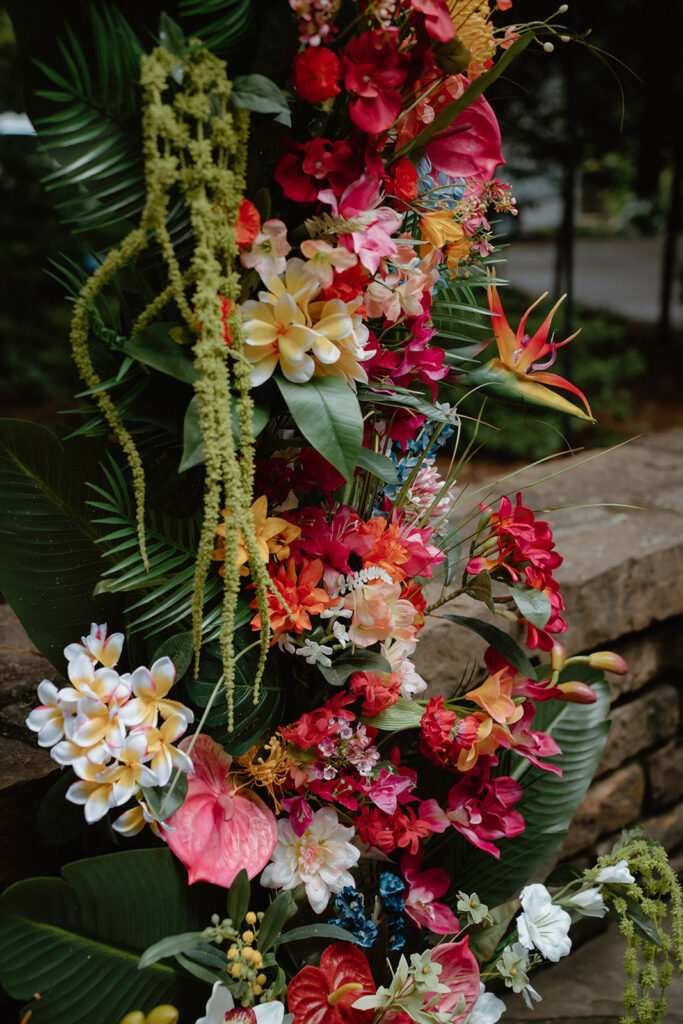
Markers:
{"x": 273, "y": 537}
{"x": 300, "y": 595}
{"x": 518, "y": 354}
{"x": 493, "y": 696}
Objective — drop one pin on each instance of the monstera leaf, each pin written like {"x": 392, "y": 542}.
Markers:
{"x": 49, "y": 559}
{"x": 76, "y": 940}
{"x": 549, "y": 801}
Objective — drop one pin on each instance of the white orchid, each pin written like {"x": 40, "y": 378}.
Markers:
{"x": 542, "y": 925}
{"x": 616, "y": 874}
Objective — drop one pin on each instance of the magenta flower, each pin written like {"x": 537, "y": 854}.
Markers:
{"x": 374, "y": 71}
{"x": 424, "y": 887}
{"x": 220, "y": 828}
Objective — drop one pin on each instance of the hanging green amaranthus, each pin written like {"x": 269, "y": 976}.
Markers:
{"x": 195, "y": 144}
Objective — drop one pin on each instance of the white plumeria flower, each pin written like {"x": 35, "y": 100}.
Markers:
{"x": 66, "y": 752}
{"x": 48, "y": 719}
{"x": 97, "y": 728}
{"x": 268, "y": 252}
{"x": 617, "y": 874}
{"x": 95, "y": 796}
{"x": 589, "y": 903}
{"x": 322, "y": 259}
{"x": 98, "y": 646}
{"x": 128, "y": 772}
{"x": 166, "y": 757}
{"x": 134, "y": 820}
{"x": 488, "y": 1008}
{"x": 221, "y": 1002}
{"x": 315, "y": 653}
{"x": 542, "y": 925}
{"x": 150, "y": 686}
{"x": 319, "y": 859}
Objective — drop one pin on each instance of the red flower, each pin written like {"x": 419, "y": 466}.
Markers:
{"x": 402, "y": 182}
{"x": 379, "y": 692}
{"x": 316, "y": 73}
{"x": 302, "y": 170}
{"x": 315, "y": 726}
{"x": 374, "y": 71}
{"x": 326, "y": 994}
{"x": 247, "y": 225}
{"x": 301, "y": 595}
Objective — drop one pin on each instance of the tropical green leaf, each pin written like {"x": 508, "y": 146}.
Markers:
{"x": 58, "y": 820}
{"x": 193, "y": 448}
{"x": 316, "y": 931}
{"x": 404, "y": 714}
{"x": 549, "y": 802}
{"x": 156, "y": 348}
{"x": 234, "y": 22}
{"x": 49, "y": 554}
{"x": 169, "y": 946}
{"x": 326, "y": 411}
{"x": 180, "y": 649}
{"x": 258, "y": 93}
{"x": 532, "y": 604}
{"x": 484, "y": 937}
{"x": 163, "y": 801}
{"x": 643, "y": 924}
{"x": 499, "y": 640}
{"x": 274, "y": 919}
{"x": 239, "y": 895}
{"x": 140, "y": 896}
{"x": 379, "y": 465}
{"x": 346, "y": 665}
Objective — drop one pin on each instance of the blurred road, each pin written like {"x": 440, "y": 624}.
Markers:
{"x": 617, "y": 274}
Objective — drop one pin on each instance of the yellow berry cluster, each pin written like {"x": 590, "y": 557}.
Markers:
{"x": 244, "y": 960}
{"x": 164, "y": 1014}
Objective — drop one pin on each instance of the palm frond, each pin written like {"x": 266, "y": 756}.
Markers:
{"x": 93, "y": 137}
{"x": 233, "y": 23}
{"x": 160, "y": 598}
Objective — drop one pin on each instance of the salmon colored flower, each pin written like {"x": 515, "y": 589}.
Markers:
{"x": 517, "y": 362}
{"x": 220, "y": 829}
{"x": 379, "y": 613}
{"x": 248, "y": 224}
{"x": 493, "y": 696}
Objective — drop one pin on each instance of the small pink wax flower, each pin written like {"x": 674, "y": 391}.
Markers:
{"x": 219, "y": 829}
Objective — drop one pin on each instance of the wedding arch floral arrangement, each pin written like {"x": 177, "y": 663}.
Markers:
{"x": 278, "y": 350}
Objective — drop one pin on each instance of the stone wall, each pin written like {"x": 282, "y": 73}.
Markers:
{"x": 619, "y": 525}
{"x": 622, "y": 582}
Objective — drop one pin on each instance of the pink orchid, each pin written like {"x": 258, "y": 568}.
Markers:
{"x": 360, "y": 201}
{"x": 386, "y": 790}
{"x": 220, "y": 828}
{"x": 424, "y": 887}
{"x": 438, "y": 23}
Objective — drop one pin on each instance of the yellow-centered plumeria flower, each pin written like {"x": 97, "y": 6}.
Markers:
{"x": 286, "y": 328}
{"x": 150, "y": 687}
{"x": 166, "y": 757}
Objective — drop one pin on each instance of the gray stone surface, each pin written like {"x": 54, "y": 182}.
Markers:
{"x": 640, "y": 724}
{"x": 587, "y": 985}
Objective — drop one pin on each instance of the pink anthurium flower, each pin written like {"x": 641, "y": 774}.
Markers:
{"x": 424, "y": 886}
{"x": 220, "y": 828}
{"x": 460, "y": 971}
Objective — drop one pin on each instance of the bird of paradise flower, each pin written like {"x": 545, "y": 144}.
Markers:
{"x": 518, "y": 358}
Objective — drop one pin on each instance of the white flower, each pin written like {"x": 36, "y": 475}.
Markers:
{"x": 341, "y": 634}
{"x": 268, "y": 252}
{"x": 530, "y": 993}
{"x": 589, "y": 903}
{"x": 488, "y": 1008}
{"x": 48, "y": 720}
{"x": 322, "y": 260}
{"x": 221, "y": 1002}
{"x": 315, "y": 653}
{"x": 98, "y": 646}
{"x": 319, "y": 859}
{"x": 617, "y": 874}
{"x": 542, "y": 925}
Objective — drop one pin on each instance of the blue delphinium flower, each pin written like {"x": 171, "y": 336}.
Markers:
{"x": 390, "y": 889}
{"x": 350, "y": 906}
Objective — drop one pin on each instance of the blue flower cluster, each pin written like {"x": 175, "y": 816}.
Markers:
{"x": 415, "y": 450}
{"x": 390, "y": 886}
{"x": 350, "y": 906}
{"x": 436, "y": 189}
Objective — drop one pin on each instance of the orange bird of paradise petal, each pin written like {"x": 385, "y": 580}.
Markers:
{"x": 518, "y": 355}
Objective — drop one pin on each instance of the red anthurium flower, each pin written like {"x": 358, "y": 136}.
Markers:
{"x": 325, "y": 994}
{"x": 374, "y": 71}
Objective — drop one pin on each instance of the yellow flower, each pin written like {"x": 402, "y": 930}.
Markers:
{"x": 471, "y": 22}
{"x": 273, "y": 537}
{"x": 439, "y": 227}
{"x": 277, "y": 334}
{"x": 455, "y": 252}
